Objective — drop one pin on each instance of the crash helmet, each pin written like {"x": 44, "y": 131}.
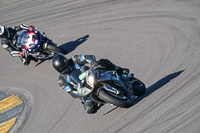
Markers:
{"x": 31, "y": 40}
{"x": 61, "y": 63}
{"x": 4, "y": 33}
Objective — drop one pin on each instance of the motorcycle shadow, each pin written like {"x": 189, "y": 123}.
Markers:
{"x": 41, "y": 61}
{"x": 153, "y": 88}
{"x": 71, "y": 46}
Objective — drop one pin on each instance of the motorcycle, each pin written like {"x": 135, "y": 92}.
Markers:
{"x": 35, "y": 44}
{"x": 106, "y": 86}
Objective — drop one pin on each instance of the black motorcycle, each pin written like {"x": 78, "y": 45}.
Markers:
{"x": 36, "y": 44}
{"x": 106, "y": 86}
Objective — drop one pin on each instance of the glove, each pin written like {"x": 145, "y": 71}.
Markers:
{"x": 31, "y": 28}
{"x": 24, "y": 53}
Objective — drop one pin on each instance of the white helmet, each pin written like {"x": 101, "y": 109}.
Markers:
{"x": 30, "y": 40}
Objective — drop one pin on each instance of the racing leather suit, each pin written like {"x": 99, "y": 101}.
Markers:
{"x": 9, "y": 43}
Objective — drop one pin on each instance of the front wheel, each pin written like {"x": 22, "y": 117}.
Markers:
{"x": 55, "y": 49}
{"x": 107, "y": 97}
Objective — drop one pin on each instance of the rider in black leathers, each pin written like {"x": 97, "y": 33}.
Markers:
{"x": 65, "y": 67}
{"x": 9, "y": 40}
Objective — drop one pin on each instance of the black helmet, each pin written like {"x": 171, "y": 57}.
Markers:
{"x": 4, "y": 33}
{"x": 60, "y": 63}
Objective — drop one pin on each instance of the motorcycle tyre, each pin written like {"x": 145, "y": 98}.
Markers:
{"x": 104, "y": 95}
{"x": 139, "y": 88}
{"x": 55, "y": 49}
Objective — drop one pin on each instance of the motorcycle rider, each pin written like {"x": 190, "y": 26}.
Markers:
{"x": 9, "y": 39}
{"x": 65, "y": 66}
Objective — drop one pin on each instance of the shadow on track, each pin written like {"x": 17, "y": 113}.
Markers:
{"x": 153, "y": 88}
{"x": 110, "y": 111}
{"x": 158, "y": 85}
{"x": 69, "y": 46}
{"x": 41, "y": 61}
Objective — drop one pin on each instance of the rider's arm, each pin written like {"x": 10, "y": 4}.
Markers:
{"x": 67, "y": 86}
{"x": 21, "y": 27}
{"x": 24, "y": 27}
{"x": 84, "y": 59}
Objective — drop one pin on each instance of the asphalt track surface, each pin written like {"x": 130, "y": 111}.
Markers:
{"x": 159, "y": 40}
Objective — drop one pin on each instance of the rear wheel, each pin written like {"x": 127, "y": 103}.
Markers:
{"x": 139, "y": 87}
{"x": 55, "y": 49}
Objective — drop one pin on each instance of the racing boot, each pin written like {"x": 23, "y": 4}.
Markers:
{"x": 131, "y": 76}
{"x": 25, "y": 60}
{"x": 90, "y": 107}
{"x": 121, "y": 71}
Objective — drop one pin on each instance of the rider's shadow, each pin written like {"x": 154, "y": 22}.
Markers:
{"x": 154, "y": 87}
{"x": 71, "y": 46}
